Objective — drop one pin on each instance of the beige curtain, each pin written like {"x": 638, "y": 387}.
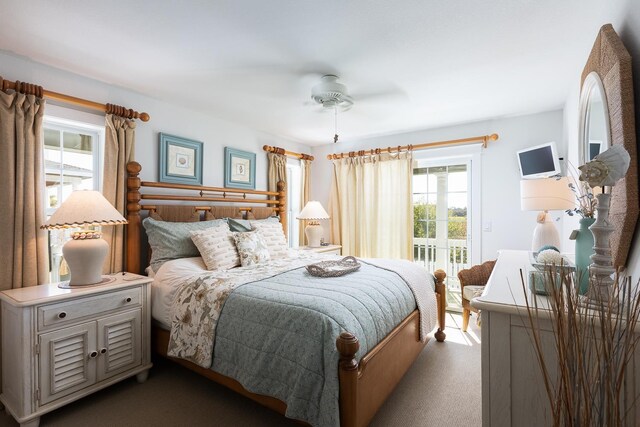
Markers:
{"x": 305, "y": 166}
{"x": 371, "y": 206}
{"x": 277, "y": 170}
{"x": 119, "y": 148}
{"x": 24, "y": 248}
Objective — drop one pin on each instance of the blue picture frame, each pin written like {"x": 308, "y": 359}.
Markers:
{"x": 180, "y": 160}
{"x": 239, "y": 169}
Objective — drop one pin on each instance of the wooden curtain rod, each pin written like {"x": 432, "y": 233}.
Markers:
{"x": 279, "y": 150}
{"x": 31, "y": 89}
{"x": 464, "y": 141}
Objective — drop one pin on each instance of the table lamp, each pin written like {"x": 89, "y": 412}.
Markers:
{"x": 546, "y": 195}
{"x": 313, "y": 211}
{"x": 86, "y": 252}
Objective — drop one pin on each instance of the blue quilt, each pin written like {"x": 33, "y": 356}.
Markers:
{"x": 277, "y": 336}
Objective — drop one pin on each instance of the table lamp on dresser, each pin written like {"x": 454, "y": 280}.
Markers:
{"x": 544, "y": 195}
{"x": 313, "y": 212}
{"x": 86, "y": 251}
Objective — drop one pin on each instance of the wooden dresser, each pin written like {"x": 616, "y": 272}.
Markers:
{"x": 513, "y": 392}
{"x": 59, "y": 345}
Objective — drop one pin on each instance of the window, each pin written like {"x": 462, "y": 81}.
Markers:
{"x": 73, "y": 155}
{"x": 294, "y": 177}
{"x": 446, "y": 210}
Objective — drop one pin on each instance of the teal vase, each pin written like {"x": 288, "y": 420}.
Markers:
{"x": 584, "y": 250}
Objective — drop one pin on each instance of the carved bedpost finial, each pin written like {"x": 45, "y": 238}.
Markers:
{"x": 440, "y": 275}
{"x": 348, "y": 345}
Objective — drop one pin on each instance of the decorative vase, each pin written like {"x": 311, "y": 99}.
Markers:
{"x": 584, "y": 250}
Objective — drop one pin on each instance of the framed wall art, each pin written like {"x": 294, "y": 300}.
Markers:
{"x": 180, "y": 160}
{"x": 239, "y": 169}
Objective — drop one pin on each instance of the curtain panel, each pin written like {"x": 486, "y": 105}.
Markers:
{"x": 305, "y": 166}
{"x": 24, "y": 248}
{"x": 277, "y": 170}
{"x": 119, "y": 150}
{"x": 371, "y": 206}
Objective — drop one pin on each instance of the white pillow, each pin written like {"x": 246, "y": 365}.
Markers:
{"x": 217, "y": 247}
{"x": 273, "y": 236}
{"x": 251, "y": 247}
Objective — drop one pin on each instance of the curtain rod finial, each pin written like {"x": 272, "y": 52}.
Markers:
{"x": 493, "y": 137}
{"x": 144, "y": 117}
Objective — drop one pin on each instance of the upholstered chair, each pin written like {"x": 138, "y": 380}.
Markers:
{"x": 472, "y": 283}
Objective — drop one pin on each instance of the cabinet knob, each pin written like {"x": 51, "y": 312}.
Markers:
{"x": 127, "y": 299}
{"x": 103, "y": 350}
{"x": 93, "y": 354}
{"x": 62, "y": 315}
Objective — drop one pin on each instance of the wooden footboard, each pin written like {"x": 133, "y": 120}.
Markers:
{"x": 364, "y": 386}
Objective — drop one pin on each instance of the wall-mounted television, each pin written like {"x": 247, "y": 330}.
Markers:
{"x": 540, "y": 161}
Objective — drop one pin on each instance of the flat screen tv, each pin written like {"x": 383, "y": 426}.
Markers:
{"x": 540, "y": 161}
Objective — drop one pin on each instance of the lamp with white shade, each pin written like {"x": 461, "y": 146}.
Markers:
{"x": 546, "y": 195}
{"x": 86, "y": 252}
{"x": 313, "y": 212}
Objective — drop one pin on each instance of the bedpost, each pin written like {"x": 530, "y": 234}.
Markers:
{"x": 441, "y": 295}
{"x": 282, "y": 206}
{"x": 348, "y": 345}
{"x": 133, "y": 217}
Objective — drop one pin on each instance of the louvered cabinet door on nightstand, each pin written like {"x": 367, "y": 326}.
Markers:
{"x": 59, "y": 345}
{"x": 65, "y": 356}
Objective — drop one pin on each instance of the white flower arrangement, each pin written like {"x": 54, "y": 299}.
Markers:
{"x": 549, "y": 256}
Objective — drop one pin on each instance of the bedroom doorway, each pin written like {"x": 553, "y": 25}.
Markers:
{"x": 442, "y": 208}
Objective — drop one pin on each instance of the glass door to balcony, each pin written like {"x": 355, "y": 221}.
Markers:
{"x": 442, "y": 221}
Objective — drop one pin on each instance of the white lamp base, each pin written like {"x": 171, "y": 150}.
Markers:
{"x": 545, "y": 233}
{"x": 85, "y": 259}
{"x": 314, "y": 232}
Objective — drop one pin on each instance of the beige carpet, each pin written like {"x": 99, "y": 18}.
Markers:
{"x": 442, "y": 388}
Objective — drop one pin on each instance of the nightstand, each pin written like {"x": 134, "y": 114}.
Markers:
{"x": 329, "y": 249}
{"x": 59, "y": 345}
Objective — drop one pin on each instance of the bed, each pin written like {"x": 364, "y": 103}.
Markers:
{"x": 365, "y": 378}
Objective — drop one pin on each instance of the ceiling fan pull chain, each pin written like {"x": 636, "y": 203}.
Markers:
{"x": 335, "y": 136}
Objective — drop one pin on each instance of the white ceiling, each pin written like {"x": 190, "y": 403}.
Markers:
{"x": 254, "y": 62}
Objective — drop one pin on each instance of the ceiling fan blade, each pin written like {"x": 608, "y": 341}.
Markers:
{"x": 381, "y": 96}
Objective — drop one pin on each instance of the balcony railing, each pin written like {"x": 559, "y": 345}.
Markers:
{"x": 452, "y": 259}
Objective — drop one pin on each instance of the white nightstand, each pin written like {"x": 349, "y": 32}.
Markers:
{"x": 59, "y": 345}
{"x": 329, "y": 249}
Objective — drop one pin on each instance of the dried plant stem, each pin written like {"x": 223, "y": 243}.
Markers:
{"x": 592, "y": 348}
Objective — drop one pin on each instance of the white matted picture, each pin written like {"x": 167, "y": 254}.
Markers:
{"x": 239, "y": 168}
{"x": 180, "y": 160}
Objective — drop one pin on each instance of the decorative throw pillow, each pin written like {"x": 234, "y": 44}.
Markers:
{"x": 251, "y": 247}
{"x": 271, "y": 232}
{"x": 217, "y": 247}
{"x": 172, "y": 240}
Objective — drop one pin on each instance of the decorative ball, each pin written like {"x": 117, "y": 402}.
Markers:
{"x": 549, "y": 256}
{"x": 545, "y": 247}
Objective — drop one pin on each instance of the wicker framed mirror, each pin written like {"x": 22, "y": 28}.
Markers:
{"x": 609, "y": 70}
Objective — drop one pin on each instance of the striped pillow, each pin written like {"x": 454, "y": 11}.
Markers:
{"x": 217, "y": 247}
{"x": 271, "y": 232}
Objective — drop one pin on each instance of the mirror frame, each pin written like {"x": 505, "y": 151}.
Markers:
{"x": 591, "y": 81}
{"x": 610, "y": 60}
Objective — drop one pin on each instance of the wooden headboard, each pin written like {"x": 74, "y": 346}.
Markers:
{"x": 178, "y": 193}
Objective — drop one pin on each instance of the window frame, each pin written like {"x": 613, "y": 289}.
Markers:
{"x": 97, "y": 133}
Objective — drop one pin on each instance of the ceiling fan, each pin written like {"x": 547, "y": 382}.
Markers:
{"x": 331, "y": 94}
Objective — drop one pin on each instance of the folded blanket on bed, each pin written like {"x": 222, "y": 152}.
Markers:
{"x": 276, "y": 335}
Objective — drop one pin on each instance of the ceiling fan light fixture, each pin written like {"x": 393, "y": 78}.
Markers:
{"x": 330, "y": 94}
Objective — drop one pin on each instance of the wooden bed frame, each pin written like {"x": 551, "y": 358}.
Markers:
{"x": 364, "y": 384}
